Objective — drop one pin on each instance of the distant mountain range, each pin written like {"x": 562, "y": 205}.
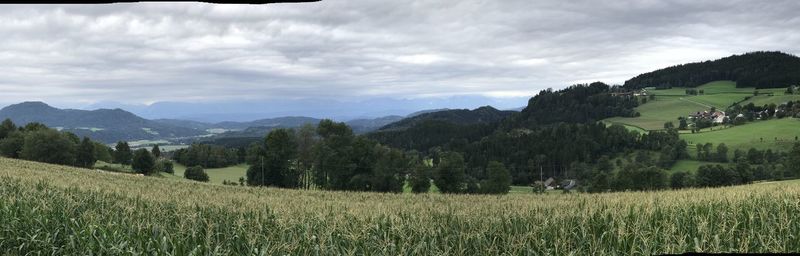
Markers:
{"x": 346, "y": 109}
{"x": 112, "y": 125}
{"x": 107, "y": 125}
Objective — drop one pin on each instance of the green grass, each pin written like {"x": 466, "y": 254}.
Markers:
{"x": 749, "y": 135}
{"x": 58, "y": 210}
{"x": 659, "y": 111}
{"x": 629, "y": 127}
{"x": 777, "y": 99}
{"x": 673, "y": 103}
{"x": 215, "y": 175}
{"x": 126, "y": 168}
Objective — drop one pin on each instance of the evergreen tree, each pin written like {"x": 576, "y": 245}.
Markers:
{"x": 333, "y": 165}
{"x": 102, "y": 152}
{"x": 450, "y": 173}
{"x": 722, "y": 153}
{"x": 755, "y": 156}
{"x": 122, "y": 153}
{"x": 680, "y": 179}
{"x": 273, "y": 164}
{"x": 85, "y": 155}
{"x": 420, "y": 179}
{"x": 6, "y": 127}
{"x": 143, "y": 161}
{"x": 196, "y": 173}
{"x": 793, "y": 160}
{"x": 11, "y": 145}
{"x": 156, "y": 151}
{"x": 390, "y": 171}
{"x": 499, "y": 179}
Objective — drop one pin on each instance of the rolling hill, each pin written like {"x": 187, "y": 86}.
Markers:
{"x": 669, "y": 104}
{"x": 485, "y": 114}
{"x": 106, "y": 125}
{"x": 755, "y": 69}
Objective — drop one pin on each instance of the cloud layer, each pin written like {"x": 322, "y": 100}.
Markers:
{"x": 361, "y": 49}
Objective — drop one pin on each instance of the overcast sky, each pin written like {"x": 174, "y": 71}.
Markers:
{"x": 348, "y": 49}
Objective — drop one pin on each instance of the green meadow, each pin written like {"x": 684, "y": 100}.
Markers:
{"x": 672, "y": 103}
{"x": 777, "y": 134}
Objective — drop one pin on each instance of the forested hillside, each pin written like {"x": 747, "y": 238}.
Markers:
{"x": 756, "y": 69}
{"x": 485, "y": 114}
{"x": 575, "y": 104}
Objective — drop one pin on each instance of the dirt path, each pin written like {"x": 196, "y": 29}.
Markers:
{"x": 695, "y": 102}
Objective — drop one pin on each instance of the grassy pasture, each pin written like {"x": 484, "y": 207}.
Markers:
{"x": 777, "y": 99}
{"x": 749, "y": 135}
{"x": 659, "y": 111}
{"x": 216, "y": 175}
{"x": 49, "y": 209}
{"x": 672, "y": 103}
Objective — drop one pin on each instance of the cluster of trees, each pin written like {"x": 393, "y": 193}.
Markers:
{"x": 207, "y": 156}
{"x": 580, "y": 103}
{"x": 692, "y": 91}
{"x": 756, "y": 69}
{"x": 556, "y": 131}
{"x": 749, "y": 166}
{"x": 752, "y": 112}
{"x": 331, "y": 157}
{"x": 705, "y": 153}
{"x": 37, "y": 142}
{"x": 196, "y": 173}
{"x": 640, "y": 171}
{"x": 142, "y": 161}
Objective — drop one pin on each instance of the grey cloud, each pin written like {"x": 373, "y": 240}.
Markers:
{"x": 142, "y": 53}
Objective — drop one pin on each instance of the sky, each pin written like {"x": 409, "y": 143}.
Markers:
{"x": 362, "y": 50}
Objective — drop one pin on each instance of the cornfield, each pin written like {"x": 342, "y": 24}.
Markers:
{"x": 56, "y": 210}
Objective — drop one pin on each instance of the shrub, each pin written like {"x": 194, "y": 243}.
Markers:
{"x": 196, "y": 173}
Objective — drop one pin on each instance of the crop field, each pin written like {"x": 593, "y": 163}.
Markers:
{"x": 57, "y": 210}
{"x": 777, "y": 134}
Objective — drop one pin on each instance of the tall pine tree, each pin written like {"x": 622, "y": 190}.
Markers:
{"x": 122, "y": 153}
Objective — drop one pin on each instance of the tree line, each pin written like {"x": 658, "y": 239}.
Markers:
{"x": 208, "y": 156}
{"x": 37, "y": 142}
{"x": 331, "y": 157}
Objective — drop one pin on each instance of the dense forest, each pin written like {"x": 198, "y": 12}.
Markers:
{"x": 756, "y": 69}
{"x": 485, "y": 114}
{"x": 581, "y": 103}
{"x": 208, "y": 156}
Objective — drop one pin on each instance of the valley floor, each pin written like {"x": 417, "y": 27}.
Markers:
{"x": 50, "y": 209}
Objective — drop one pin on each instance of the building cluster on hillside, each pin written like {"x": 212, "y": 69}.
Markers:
{"x": 717, "y": 117}
{"x": 636, "y": 93}
{"x": 551, "y": 184}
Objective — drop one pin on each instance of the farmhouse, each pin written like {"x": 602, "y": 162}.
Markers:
{"x": 717, "y": 117}
{"x": 550, "y": 183}
{"x": 630, "y": 93}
